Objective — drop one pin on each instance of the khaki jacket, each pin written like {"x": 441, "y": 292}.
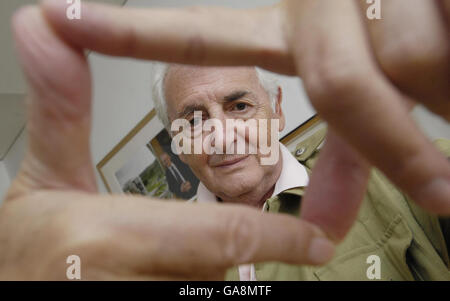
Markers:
{"x": 408, "y": 241}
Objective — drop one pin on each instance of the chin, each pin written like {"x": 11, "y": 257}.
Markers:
{"x": 238, "y": 186}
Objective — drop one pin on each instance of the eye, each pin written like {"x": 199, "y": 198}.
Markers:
{"x": 195, "y": 121}
{"x": 241, "y": 106}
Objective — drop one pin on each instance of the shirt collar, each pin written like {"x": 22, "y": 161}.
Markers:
{"x": 293, "y": 175}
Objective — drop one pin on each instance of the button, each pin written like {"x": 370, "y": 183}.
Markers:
{"x": 300, "y": 151}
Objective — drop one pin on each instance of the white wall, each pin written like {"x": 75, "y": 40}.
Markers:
{"x": 15, "y": 155}
{"x": 4, "y": 181}
{"x": 121, "y": 99}
{"x": 434, "y": 127}
{"x": 11, "y": 163}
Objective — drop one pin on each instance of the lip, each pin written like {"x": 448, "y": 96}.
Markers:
{"x": 232, "y": 162}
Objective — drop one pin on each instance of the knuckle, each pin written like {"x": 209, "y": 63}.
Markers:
{"x": 401, "y": 56}
{"x": 73, "y": 234}
{"x": 241, "y": 239}
{"x": 131, "y": 42}
{"x": 197, "y": 10}
{"x": 401, "y": 170}
{"x": 77, "y": 231}
{"x": 335, "y": 80}
{"x": 195, "y": 51}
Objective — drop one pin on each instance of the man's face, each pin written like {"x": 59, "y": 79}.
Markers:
{"x": 222, "y": 93}
{"x": 165, "y": 158}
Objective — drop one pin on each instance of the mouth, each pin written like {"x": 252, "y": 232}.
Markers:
{"x": 231, "y": 162}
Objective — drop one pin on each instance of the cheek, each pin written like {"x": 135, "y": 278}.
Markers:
{"x": 249, "y": 177}
{"x": 268, "y": 116}
{"x": 198, "y": 164}
{"x": 255, "y": 165}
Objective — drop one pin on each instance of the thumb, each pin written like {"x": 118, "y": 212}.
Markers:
{"x": 58, "y": 108}
{"x": 337, "y": 187}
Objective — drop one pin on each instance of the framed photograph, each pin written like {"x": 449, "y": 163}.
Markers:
{"x": 303, "y": 131}
{"x": 143, "y": 163}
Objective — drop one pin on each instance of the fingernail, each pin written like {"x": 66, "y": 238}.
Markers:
{"x": 320, "y": 251}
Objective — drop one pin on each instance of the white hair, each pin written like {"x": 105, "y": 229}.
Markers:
{"x": 268, "y": 81}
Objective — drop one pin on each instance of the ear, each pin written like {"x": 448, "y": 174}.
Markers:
{"x": 278, "y": 111}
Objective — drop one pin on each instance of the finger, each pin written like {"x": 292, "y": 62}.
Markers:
{"x": 415, "y": 55}
{"x": 219, "y": 237}
{"x": 336, "y": 188}
{"x": 350, "y": 92}
{"x": 59, "y": 113}
{"x": 193, "y": 35}
{"x": 183, "y": 240}
{"x": 446, "y": 11}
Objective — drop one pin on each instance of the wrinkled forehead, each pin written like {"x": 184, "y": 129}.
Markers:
{"x": 185, "y": 76}
{"x": 182, "y": 82}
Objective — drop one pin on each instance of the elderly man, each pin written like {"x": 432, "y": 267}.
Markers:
{"x": 52, "y": 209}
{"x": 405, "y": 242}
{"x": 177, "y": 178}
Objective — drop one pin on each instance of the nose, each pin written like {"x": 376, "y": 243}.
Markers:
{"x": 222, "y": 137}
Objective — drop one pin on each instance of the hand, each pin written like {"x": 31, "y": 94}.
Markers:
{"x": 362, "y": 77}
{"x": 53, "y": 210}
{"x": 186, "y": 186}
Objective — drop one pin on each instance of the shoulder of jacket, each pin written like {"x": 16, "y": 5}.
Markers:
{"x": 307, "y": 148}
{"x": 443, "y": 145}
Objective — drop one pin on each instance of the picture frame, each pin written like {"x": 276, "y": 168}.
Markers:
{"x": 143, "y": 163}
{"x": 302, "y": 132}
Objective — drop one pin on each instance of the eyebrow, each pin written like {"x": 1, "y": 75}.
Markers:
{"x": 189, "y": 109}
{"x": 235, "y": 96}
